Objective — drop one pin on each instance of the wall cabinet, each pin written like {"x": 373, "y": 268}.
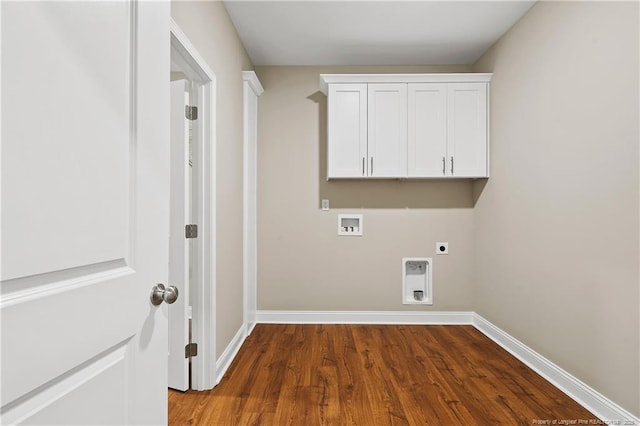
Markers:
{"x": 367, "y": 130}
{"x": 407, "y": 125}
{"x": 387, "y": 130}
{"x": 447, "y": 130}
{"x": 347, "y": 113}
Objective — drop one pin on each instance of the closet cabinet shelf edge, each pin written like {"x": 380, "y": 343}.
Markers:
{"x": 407, "y": 126}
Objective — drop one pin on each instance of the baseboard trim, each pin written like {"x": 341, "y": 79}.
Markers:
{"x": 250, "y": 327}
{"x": 364, "y": 317}
{"x": 230, "y": 352}
{"x": 589, "y": 398}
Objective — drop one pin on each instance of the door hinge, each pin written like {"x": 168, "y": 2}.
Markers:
{"x": 191, "y": 350}
{"x": 191, "y": 231}
{"x": 191, "y": 112}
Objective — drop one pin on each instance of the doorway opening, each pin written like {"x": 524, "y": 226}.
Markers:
{"x": 193, "y": 209}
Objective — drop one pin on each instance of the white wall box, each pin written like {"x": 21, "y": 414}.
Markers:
{"x": 416, "y": 281}
{"x": 407, "y": 125}
{"x": 350, "y": 224}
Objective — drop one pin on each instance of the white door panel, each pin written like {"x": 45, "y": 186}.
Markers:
{"x": 87, "y": 105}
{"x": 69, "y": 395}
{"x": 179, "y": 245}
{"x": 84, "y": 211}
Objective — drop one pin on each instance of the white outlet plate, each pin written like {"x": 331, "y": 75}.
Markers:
{"x": 325, "y": 205}
{"x": 442, "y": 247}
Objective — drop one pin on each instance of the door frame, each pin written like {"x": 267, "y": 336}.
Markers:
{"x": 187, "y": 58}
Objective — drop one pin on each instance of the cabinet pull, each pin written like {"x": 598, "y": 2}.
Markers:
{"x": 371, "y": 166}
{"x": 362, "y": 166}
{"x": 451, "y": 165}
{"x": 444, "y": 172}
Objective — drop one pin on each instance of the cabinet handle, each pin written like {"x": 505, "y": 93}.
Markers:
{"x": 362, "y": 166}
{"x": 451, "y": 165}
{"x": 371, "y": 166}
{"x": 444, "y": 172}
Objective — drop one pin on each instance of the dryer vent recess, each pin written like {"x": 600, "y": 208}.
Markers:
{"x": 416, "y": 281}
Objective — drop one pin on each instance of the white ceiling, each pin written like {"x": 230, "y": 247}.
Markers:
{"x": 371, "y": 32}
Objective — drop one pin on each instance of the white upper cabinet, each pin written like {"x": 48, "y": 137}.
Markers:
{"x": 347, "y": 131}
{"x": 407, "y": 125}
{"x": 387, "y": 130}
{"x": 447, "y": 130}
{"x": 427, "y": 130}
{"x": 467, "y": 129}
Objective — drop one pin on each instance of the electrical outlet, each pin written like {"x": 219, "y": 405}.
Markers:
{"x": 325, "y": 205}
{"x": 442, "y": 248}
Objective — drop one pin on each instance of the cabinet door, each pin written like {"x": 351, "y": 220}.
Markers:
{"x": 467, "y": 129}
{"x": 387, "y": 130}
{"x": 427, "y": 130}
{"x": 347, "y": 130}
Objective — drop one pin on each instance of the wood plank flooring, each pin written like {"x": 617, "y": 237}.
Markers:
{"x": 306, "y": 375}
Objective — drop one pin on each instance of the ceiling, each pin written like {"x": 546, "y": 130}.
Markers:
{"x": 371, "y": 32}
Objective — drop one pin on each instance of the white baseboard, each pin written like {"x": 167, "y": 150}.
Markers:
{"x": 589, "y": 398}
{"x": 250, "y": 327}
{"x": 364, "y": 317}
{"x": 225, "y": 360}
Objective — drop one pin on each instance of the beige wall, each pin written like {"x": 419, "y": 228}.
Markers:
{"x": 210, "y": 30}
{"x": 556, "y": 226}
{"x": 302, "y": 263}
{"x": 549, "y": 252}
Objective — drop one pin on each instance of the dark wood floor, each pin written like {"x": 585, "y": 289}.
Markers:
{"x": 308, "y": 375}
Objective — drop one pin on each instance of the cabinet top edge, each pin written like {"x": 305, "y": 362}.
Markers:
{"x": 326, "y": 79}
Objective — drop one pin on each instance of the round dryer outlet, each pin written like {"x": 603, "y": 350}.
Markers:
{"x": 442, "y": 248}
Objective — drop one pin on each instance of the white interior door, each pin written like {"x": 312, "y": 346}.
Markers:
{"x": 179, "y": 245}
{"x": 85, "y": 208}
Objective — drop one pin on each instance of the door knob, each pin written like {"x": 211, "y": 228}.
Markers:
{"x": 159, "y": 293}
